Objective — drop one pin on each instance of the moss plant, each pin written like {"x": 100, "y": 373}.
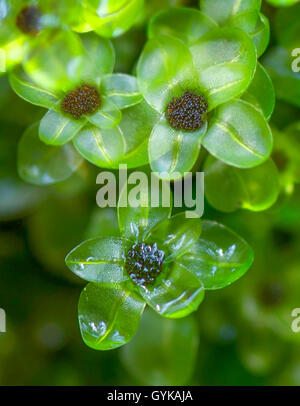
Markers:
{"x": 163, "y": 261}
{"x": 197, "y": 95}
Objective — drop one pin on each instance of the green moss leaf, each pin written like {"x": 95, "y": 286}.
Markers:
{"x": 30, "y": 92}
{"x": 186, "y": 24}
{"x": 256, "y": 25}
{"x": 239, "y": 135}
{"x": 126, "y": 143}
{"x": 108, "y": 315}
{"x": 165, "y": 70}
{"x": 261, "y": 92}
{"x": 282, "y": 3}
{"x": 41, "y": 164}
{"x": 96, "y": 145}
{"x": 177, "y": 295}
{"x": 55, "y": 62}
{"x": 222, "y": 10}
{"x": 108, "y": 116}
{"x": 57, "y": 129}
{"x": 228, "y": 188}
{"x": 226, "y": 61}
{"x": 176, "y": 235}
{"x": 121, "y": 89}
{"x": 112, "y": 17}
{"x": 261, "y": 34}
{"x": 98, "y": 58}
{"x": 99, "y": 260}
{"x": 136, "y": 124}
{"x": 219, "y": 257}
{"x": 173, "y": 152}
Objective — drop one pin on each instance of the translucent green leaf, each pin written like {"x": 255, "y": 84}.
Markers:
{"x": 130, "y": 139}
{"x": 55, "y": 62}
{"x": 177, "y": 295}
{"x": 173, "y": 152}
{"x": 104, "y": 148}
{"x": 279, "y": 63}
{"x": 57, "y": 129}
{"x": 222, "y": 10}
{"x": 239, "y": 135}
{"x": 108, "y": 116}
{"x": 165, "y": 70}
{"x": 261, "y": 92}
{"x": 256, "y": 25}
{"x": 219, "y": 257}
{"x": 121, "y": 89}
{"x": 98, "y": 58}
{"x": 30, "y": 92}
{"x": 186, "y": 24}
{"x": 261, "y": 35}
{"x": 61, "y": 12}
{"x": 163, "y": 351}
{"x": 228, "y": 188}
{"x": 176, "y": 235}
{"x": 226, "y": 62}
{"x": 41, "y": 164}
{"x": 108, "y": 315}
{"x": 99, "y": 260}
{"x": 136, "y": 220}
{"x": 136, "y": 125}
{"x": 282, "y": 3}
{"x": 112, "y": 17}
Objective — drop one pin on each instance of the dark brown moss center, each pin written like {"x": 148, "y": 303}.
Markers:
{"x": 82, "y": 100}
{"x": 144, "y": 263}
{"x": 28, "y": 20}
{"x": 187, "y": 112}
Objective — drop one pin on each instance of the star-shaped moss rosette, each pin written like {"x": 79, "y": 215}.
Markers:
{"x": 24, "y": 22}
{"x": 200, "y": 81}
{"x": 163, "y": 261}
{"x": 102, "y": 113}
{"x": 109, "y": 18}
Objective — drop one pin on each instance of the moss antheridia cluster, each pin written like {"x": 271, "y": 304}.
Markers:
{"x": 144, "y": 263}
{"x": 28, "y": 20}
{"x": 187, "y": 112}
{"x": 82, "y": 100}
